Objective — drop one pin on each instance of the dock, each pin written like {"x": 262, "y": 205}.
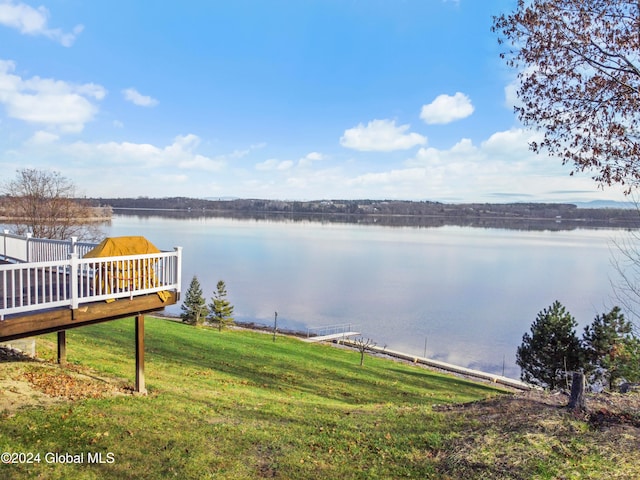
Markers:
{"x": 468, "y": 372}
{"x": 331, "y": 333}
{"x": 331, "y": 337}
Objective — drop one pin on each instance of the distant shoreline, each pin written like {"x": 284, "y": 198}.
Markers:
{"x": 580, "y": 218}
{"x": 377, "y": 208}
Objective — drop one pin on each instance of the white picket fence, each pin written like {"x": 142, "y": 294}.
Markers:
{"x": 53, "y": 273}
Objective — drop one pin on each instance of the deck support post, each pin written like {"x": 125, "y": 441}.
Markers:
{"x": 140, "y": 388}
{"x": 62, "y": 347}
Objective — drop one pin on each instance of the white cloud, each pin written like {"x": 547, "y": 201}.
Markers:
{"x": 43, "y": 138}
{"x": 446, "y": 109}
{"x": 313, "y": 156}
{"x": 506, "y": 142}
{"x": 463, "y": 172}
{"x": 310, "y": 158}
{"x": 181, "y": 154}
{"x": 381, "y": 136}
{"x": 274, "y": 164}
{"x": 495, "y": 169}
{"x": 65, "y": 106}
{"x": 124, "y": 152}
{"x": 131, "y": 169}
{"x": 511, "y": 95}
{"x": 501, "y": 164}
{"x": 201, "y": 162}
{"x": 487, "y": 171}
{"x": 397, "y": 178}
{"x": 33, "y": 21}
{"x": 135, "y": 97}
{"x": 241, "y": 153}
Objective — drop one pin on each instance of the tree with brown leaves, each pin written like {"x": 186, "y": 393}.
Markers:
{"x": 578, "y": 65}
{"x": 44, "y": 204}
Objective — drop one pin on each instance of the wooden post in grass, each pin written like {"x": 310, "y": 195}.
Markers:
{"x": 140, "y": 388}
{"x": 275, "y": 326}
{"x": 62, "y": 347}
{"x": 577, "y": 401}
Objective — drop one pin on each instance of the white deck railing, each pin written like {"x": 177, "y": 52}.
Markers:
{"x": 17, "y": 248}
{"x": 51, "y": 281}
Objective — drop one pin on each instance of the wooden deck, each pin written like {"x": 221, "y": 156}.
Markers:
{"x": 53, "y": 286}
{"x": 47, "y": 290}
{"x": 64, "y": 318}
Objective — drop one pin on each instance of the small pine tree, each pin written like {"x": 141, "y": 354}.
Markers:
{"x": 551, "y": 348}
{"x": 220, "y": 309}
{"x": 194, "y": 308}
{"x": 610, "y": 348}
{"x": 630, "y": 365}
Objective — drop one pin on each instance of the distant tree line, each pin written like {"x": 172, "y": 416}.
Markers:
{"x": 381, "y": 208}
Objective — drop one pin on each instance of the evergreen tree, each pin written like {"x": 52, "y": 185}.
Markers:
{"x": 194, "y": 308}
{"x": 220, "y": 309}
{"x": 610, "y": 348}
{"x": 630, "y": 366}
{"x": 551, "y": 348}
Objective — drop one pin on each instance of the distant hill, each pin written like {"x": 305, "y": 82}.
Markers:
{"x": 397, "y": 212}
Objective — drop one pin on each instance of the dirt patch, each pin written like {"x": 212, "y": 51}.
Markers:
{"x": 517, "y": 436}
{"x": 27, "y": 382}
{"x": 604, "y": 410}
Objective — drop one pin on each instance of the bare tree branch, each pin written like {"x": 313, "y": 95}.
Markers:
{"x": 44, "y": 204}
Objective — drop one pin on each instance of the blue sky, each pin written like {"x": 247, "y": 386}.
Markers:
{"x": 283, "y": 99}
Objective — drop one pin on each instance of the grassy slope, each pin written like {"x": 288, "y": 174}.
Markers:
{"x": 237, "y": 405}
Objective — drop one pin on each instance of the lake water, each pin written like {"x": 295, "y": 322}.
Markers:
{"x": 465, "y": 295}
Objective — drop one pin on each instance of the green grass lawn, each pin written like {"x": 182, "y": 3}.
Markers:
{"x": 235, "y": 405}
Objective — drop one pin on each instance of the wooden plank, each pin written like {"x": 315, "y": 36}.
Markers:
{"x": 122, "y": 307}
{"x": 53, "y": 320}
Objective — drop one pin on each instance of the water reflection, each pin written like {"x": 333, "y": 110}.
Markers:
{"x": 469, "y": 293}
{"x": 414, "y": 221}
